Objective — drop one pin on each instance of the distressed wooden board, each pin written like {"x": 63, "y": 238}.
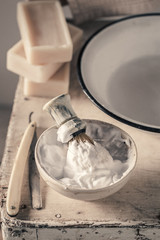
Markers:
{"x": 120, "y": 216}
{"x": 105, "y": 233}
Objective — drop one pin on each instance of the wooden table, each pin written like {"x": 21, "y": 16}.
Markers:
{"x": 132, "y": 213}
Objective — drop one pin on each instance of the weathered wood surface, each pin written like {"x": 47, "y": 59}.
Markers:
{"x": 131, "y": 213}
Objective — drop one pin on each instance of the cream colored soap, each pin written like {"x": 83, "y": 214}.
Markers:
{"x": 17, "y": 62}
{"x": 76, "y": 36}
{"x": 56, "y": 85}
{"x": 44, "y": 32}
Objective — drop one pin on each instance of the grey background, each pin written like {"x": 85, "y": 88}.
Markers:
{"x": 9, "y": 35}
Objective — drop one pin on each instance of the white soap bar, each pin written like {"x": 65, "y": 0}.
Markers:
{"x": 44, "y": 32}
{"x": 56, "y": 85}
{"x": 17, "y": 62}
{"x": 76, "y": 36}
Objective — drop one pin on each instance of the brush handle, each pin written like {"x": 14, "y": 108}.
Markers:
{"x": 60, "y": 109}
{"x": 69, "y": 124}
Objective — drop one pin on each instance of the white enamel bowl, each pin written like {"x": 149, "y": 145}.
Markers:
{"x": 118, "y": 150}
{"x": 119, "y": 70}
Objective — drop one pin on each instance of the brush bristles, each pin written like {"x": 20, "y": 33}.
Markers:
{"x": 82, "y": 137}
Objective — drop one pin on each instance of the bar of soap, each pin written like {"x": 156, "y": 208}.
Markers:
{"x": 76, "y": 36}
{"x": 17, "y": 62}
{"x": 44, "y": 32}
{"x": 58, "y": 84}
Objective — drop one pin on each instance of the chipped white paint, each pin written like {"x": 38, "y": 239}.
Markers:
{"x": 132, "y": 213}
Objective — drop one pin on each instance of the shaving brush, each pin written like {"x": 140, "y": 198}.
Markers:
{"x": 70, "y": 127}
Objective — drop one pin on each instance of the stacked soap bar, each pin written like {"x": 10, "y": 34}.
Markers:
{"x": 18, "y": 63}
{"x": 44, "y": 32}
{"x": 56, "y": 85}
{"x": 42, "y": 56}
